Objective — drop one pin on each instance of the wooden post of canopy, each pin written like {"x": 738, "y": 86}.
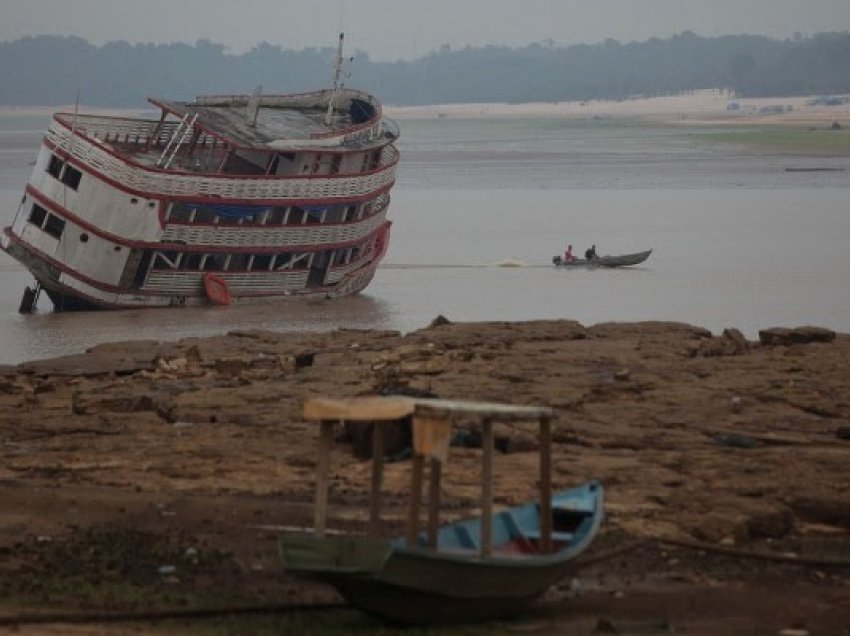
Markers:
{"x": 328, "y": 411}
{"x": 486, "y": 487}
{"x": 320, "y": 514}
{"x": 415, "y": 499}
{"x": 377, "y": 479}
{"x": 545, "y": 484}
{"x": 434, "y": 502}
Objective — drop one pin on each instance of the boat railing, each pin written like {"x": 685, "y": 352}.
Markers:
{"x": 338, "y": 272}
{"x": 278, "y": 236}
{"x": 355, "y": 137}
{"x": 153, "y": 182}
{"x": 120, "y": 129}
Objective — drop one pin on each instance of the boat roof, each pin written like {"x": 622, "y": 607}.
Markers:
{"x": 274, "y": 120}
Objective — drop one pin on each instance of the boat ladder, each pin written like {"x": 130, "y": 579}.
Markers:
{"x": 180, "y": 133}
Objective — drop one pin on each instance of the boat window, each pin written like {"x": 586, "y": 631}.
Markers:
{"x": 192, "y": 261}
{"x": 180, "y": 213}
{"x": 37, "y": 215}
{"x": 54, "y": 168}
{"x": 214, "y": 262}
{"x": 261, "y": 263}
{"x": 141, "y": 272}
{"x": 276, "y": 216}
{"x": 204, "y": 215}
{"x": 282, "y": 260}
{"x": 54, "y": 226}
{"x": 296, "y": 216}
{"x": 71, "y": 177}
{"x": 376, "y": 160}
{"x": 166, "y": 260}
{"x": 238, "y": 263}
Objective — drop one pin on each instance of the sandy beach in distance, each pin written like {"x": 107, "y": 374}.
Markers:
{"x": 699, "y": 107}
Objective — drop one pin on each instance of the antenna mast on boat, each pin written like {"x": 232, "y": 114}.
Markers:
{"x": 337, "y": 75}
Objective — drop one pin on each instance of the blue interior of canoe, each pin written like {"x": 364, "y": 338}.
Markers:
{"x": 576, "y": 514}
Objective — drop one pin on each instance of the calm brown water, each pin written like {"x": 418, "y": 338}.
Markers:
{"x": 739, "y": 242}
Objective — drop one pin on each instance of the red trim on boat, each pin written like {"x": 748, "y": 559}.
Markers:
{"x": 182, "y": 247}
{"x": 233, "y": 146}
{"x": 63, "y": 154}
{"x": 370, "y": 263}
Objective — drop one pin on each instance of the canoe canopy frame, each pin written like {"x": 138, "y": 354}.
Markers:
{"x": 433, "y": 421}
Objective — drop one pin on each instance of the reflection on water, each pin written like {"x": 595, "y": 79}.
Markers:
{"x": 738, "y": 241}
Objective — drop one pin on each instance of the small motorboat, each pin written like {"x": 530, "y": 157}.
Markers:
{"x": 622, "y": 260}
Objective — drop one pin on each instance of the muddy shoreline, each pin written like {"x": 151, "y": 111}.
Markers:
{"x": 150, "y": 475}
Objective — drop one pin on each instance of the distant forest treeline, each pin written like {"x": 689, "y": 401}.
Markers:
{"x": 49, "y": 70}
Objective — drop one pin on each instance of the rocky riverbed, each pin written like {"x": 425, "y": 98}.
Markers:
{"x": 151, "y": 475}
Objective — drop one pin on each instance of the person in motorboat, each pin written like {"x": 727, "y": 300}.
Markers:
{"x": 569, "y": 257}
{"x": 590, "y": 253}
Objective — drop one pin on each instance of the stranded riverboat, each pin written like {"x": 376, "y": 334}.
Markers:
{"x": 271, "y": 195}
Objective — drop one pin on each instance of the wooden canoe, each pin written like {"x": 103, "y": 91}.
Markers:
{"x": 454, "y": 582}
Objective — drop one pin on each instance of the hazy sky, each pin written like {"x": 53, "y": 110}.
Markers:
{"x": 392, "y": 29}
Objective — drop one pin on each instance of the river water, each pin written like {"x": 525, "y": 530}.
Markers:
{"x": 738, "y": 241}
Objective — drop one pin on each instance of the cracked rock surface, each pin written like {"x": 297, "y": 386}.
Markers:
{"x": 694, "y": 436}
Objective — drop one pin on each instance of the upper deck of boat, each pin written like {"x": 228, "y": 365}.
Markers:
{"x": 272, "y": 126}
{"x": 236, "y": 134}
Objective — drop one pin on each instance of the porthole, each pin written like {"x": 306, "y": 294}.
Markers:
{"x": 134, "y": 200}
{"x": 117, "y": 248}
{"x": 151, "y": 204}
{"x": 84, "y": 237}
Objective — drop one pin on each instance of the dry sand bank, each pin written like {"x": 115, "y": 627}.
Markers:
{"x": 134, "y": 455}
{"x": 707, "y": 106}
